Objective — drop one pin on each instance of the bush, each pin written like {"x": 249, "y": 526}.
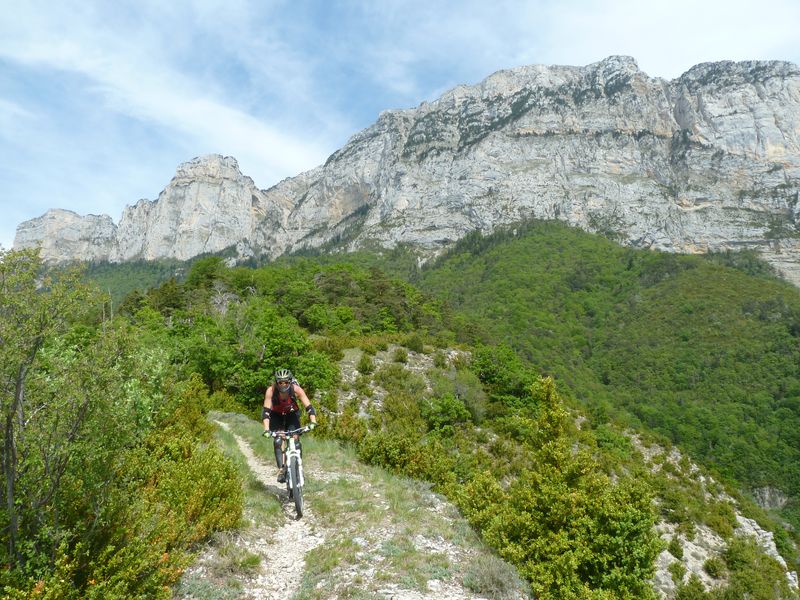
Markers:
{"x": 333, "y": 347}
{"x": 414, "y": 343}
{"x": 406, "y": 457}
{"x": 349, "y": 427}
{"x": 365, "y": 366}
{"x": 715, "y": 567}
{"x": 677, "y": 570}
{"x": 223, "y": 401}
{"x": 753, "y": 574}
{"x": 721, "y": 517}
{"x": 493, "y": 578}
{"x": 464, "y": 385}
{"x": 691, "y": 590}
{"x": 444, "y": 412}
{"x": 400, "y": 355}
{"x": 394, "y": 377}
{"x": 675, "y": 547}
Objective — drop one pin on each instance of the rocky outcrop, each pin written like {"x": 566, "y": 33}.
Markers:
{"x": 208, "y": 207}
{"x": 65, "y": 235}
{"x": 703, "y": 543}
{"x": 708, "y": 161}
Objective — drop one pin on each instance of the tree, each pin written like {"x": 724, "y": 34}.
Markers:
{"x": 34, "y": 307}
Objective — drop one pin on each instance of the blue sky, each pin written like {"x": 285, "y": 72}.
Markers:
{"x": 100, "y": 101}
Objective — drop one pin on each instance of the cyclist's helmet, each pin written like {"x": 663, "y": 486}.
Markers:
{"x": 283, "y": 379}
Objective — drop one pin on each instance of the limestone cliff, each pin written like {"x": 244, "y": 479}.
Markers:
{"x": 708, "y": 161}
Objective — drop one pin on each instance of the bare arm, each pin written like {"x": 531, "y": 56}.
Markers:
{"x": 301, "y": 393}
{"x": 267, "y": 407}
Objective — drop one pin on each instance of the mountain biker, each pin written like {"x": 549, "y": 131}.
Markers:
{"x": 282, "y": 413}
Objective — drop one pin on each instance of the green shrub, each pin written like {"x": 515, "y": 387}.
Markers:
{"x": 224, "y": 401}
{"x": 753, "y": 574}
{"x": 394, "y": 377}
{"x": 443, "y": 412}
{"x": 562, "y": 521}
{"x": 400, "y": 415}
{"x": 333, "y": 347}
{"x": 714, "y": 566}
{"x": 366, "y": 366}
{"x": 464, "y": 385}
{"x": 202, "y": 492}
{"x": 613, "y": 444}
{"x": 362, "y": 385}
{"x": 400, "y": 355}
{"x": 349, "y": 427}
{"x": 721, "y": 517}
{"x": 404, "y": 456}
{"x": 414, "y": 343}
{"x": 494, "y": 578}
{"x": 675, "y": 547}
{"x": 677, "y": 570}
{"x": 692, "y": 590}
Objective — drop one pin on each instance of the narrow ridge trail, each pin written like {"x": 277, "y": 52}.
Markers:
{"x": 372, "y": 536}
{"x": 281, "y": 546}
{"x": 285, "y": 552}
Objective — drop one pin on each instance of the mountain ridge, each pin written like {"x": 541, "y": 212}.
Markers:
{"x": 707, "y": 161}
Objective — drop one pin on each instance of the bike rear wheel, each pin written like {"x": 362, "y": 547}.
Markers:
{"x": 297, "y": 491}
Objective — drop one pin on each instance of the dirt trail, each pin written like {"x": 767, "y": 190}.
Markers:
{"x": 374, "y": 568}
{"x": 282, "y": 550}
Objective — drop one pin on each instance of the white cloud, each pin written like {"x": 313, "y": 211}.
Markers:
{"x": 138, "y": 81}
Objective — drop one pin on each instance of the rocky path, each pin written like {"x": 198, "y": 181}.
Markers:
{"x": 285, "y": 552}
{"x": 378, "y": 539}
{"x": 281, "y": 549}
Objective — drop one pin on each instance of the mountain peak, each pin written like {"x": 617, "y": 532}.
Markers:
{"x": 616, "y": 63}
{"x": 210, "y": 166}
{"x": 728, "y": 72}
{"x": 710, "y": 161}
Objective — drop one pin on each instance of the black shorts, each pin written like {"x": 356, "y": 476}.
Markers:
{"x": 279, "y": 422}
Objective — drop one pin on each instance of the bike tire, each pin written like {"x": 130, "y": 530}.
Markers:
{"x": 297, "y": 488}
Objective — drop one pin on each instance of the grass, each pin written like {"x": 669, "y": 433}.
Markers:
{"x": 235, "y": 560}
{"x": 221, "y": 580}
{"x": 260, "y": 504}
{"x": 493, "y": 578}
{"x": 200, "y": 588}
{"x": 405, "y": 563}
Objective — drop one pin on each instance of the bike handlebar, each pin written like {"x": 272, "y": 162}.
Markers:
{"x": 284, "y": 434}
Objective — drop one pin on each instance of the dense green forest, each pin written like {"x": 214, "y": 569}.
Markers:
{"x": 703, "y": 350}
{"x": 551, "y": 322}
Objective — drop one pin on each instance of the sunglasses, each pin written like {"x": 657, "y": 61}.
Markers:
{"x": 283, "y": 382}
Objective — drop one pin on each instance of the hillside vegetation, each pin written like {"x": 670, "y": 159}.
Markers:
{"x": 549, "y": 324}
{"x": 705, "y": 351}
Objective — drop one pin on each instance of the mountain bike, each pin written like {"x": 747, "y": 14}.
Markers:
{"x": 293, "y": 463}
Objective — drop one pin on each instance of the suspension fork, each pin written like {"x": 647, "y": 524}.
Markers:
{"x": 293, "y": 452}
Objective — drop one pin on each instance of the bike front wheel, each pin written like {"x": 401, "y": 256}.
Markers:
{"x": 297, "y": 489}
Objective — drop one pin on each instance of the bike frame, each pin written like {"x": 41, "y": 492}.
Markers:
{"x": 292, "y": 451}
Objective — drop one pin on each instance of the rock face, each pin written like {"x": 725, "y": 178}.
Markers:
{"x": 209, "y": 206}
{"x": 65, "y": 235}
{"x": 708, "y": 161}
